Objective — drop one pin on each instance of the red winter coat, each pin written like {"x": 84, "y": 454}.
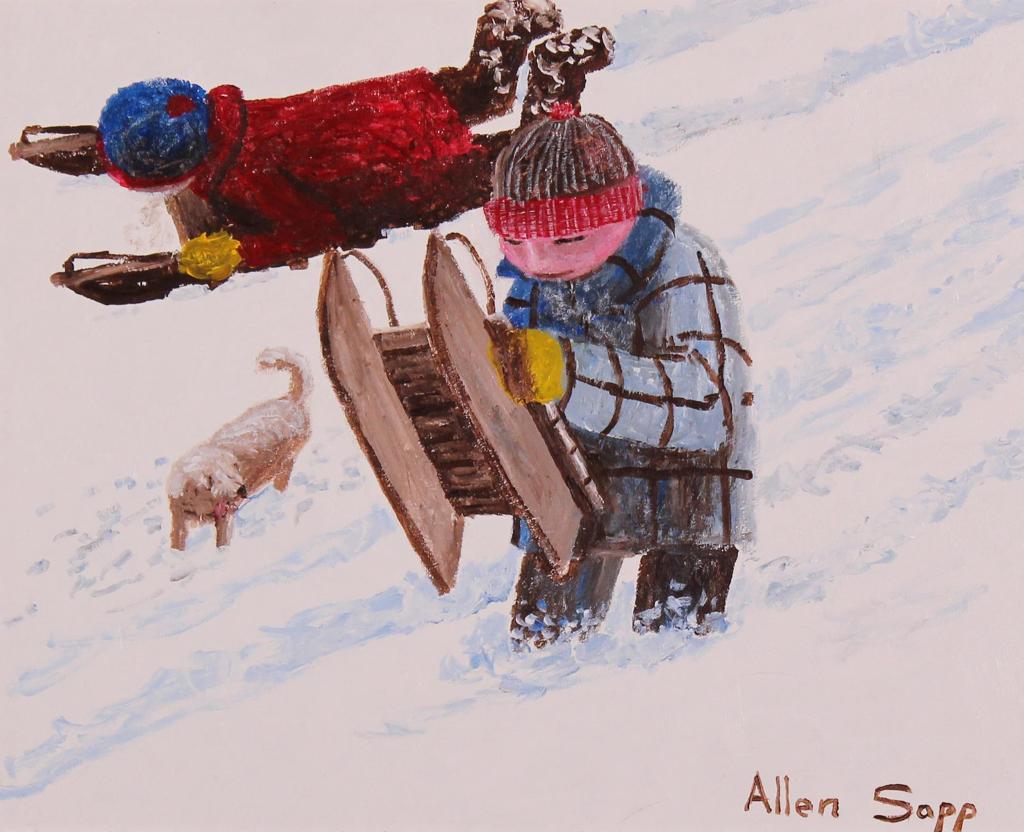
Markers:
{"x": 292, "y": 177}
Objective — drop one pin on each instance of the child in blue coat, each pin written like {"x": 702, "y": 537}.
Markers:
{"x": 629, "y": 319}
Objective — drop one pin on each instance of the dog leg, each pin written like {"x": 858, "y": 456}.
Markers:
{"x": 179, "y": 528}
{"x": 224, "y": 524}
{"x": 284, "y": 476}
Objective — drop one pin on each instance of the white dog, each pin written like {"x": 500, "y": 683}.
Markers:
{"x": 211, "y": 481}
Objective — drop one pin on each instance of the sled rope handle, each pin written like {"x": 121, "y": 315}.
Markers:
{"x": 486, "y": 275}
{"x": 389, "y": 303}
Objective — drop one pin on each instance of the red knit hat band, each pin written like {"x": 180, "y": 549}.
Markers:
{"x": 565, "y": 216}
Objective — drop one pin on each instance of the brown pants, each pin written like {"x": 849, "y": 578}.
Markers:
{"x": 671, "y": 587}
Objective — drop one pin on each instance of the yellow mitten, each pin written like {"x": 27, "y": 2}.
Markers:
{"x": 210, "y": 256}
{"x": 530, "y": 365}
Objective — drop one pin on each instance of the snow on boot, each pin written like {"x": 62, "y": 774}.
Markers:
{"x": 559, "y": 67}
{"x": 683, "y": 591}
{"x": 486, "y": 86}
{"x": 547, "y": 609}
{"x": 666, "y": 593}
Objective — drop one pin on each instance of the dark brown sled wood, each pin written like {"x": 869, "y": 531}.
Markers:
{"x": 124, "y": 278}
{"x": 192, "y": 215}
{"x": 65, "y": 149}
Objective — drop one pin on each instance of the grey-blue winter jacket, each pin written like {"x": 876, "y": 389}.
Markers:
{"x": 658, "y": 388}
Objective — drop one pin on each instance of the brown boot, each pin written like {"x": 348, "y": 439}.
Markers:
{"x": 486, "y": 86}
{"x": 683, "y": 590}
{"x": 559, "y": 67}
{"x": 547, "y": 609}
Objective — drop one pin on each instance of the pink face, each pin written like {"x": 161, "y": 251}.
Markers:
{"x": 567, "y": 258}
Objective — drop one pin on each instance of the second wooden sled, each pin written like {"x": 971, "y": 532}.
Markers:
{"x": 443, "y": 438}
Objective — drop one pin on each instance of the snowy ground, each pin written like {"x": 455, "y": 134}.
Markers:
{"x": 861, "y": 166}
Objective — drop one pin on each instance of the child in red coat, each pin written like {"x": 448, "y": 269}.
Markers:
{"x": 273, "y": 182}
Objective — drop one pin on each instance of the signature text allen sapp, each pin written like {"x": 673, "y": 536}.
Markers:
{"x": 897, "y": 810}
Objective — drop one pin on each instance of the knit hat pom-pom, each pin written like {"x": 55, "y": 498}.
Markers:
{"x": 562, "y": 110}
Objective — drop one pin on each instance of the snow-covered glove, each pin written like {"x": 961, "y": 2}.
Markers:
{"x": 211, "y": 257}
{"x": 530, "y": 365}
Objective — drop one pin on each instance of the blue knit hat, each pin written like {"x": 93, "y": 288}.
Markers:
{"x": 155, "y": 130}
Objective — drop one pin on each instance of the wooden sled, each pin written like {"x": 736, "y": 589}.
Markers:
{"x": 121, "y": 278}
{"x": 443, "y": 438}
{"x": 138, "y": 278}
{"x": 65, "y": 149}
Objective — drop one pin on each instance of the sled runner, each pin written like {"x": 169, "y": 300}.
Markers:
{"x": 138, "y": 278}
{"x": 65, "y": 149}
{"x": 123, "y": 278}
{"x": 442, "y": 436}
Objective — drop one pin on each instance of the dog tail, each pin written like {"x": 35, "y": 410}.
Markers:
{"x": 282, "y": 358}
